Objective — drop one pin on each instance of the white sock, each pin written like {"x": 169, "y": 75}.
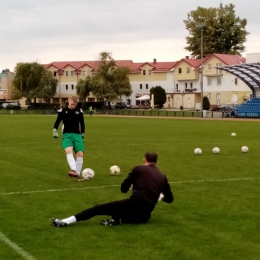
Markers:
{"x": 69, "y": 220}
{"x": 71, "y": 161}
{"x": 79, "y": 163}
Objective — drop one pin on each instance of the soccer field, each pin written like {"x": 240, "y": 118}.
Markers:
{"x": 215, "y": 215}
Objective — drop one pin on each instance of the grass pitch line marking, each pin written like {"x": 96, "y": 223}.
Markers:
{"x": 215, "y": 180}
{"x": 16, "y": 248}
{"x": 55, "y": 190}
{"x": 107, "y": 186}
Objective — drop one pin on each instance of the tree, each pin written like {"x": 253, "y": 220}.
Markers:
{"x": 223, "y": 31}
{"x": 159, "y": 95}
{"x": 16, "y": 94}
{"x": 84, "y": 87}
{"x": 109, "y": 82}
{"x": 206, "y": 103}
{"x": 33, "y": 81}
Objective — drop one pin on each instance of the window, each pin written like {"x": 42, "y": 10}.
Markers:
{"x": 67, "y": 87}
{"x": 177, "y": 88}
{"x": 91, "y": 99}
{"x": 186, "y": 85}
{"x": 219, "y": 65}
{"x": 66, "y": 73}
{"x": 180, "y": 70}
{"x": 188, "y": 69}
{"x": 72, "y": 73}
{"x": 54, "y": 74}
{"x": 218, "y": 98}
{"x": 141, "y": 86}
{"x": 72, "y": 87}
{"x": 146, "y": 86}
{"x": 236, "y": 81}
{"x": 191, "y": 85}
{"x": 83, "y": 73}
{"x": 150, "y": 72}
{"x": 218, "y": 80}
{"x": 209, "y": 81}
{"x": 209, "y": 66}
{"x": 144, "y": 72}
{"x": 209, "y": 95}
{"x": 169, "y": 99}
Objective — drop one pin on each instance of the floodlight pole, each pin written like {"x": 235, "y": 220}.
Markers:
{"x": 201, "y": 27}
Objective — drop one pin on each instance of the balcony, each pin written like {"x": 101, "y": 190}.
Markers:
{"x": 190, "y": 89}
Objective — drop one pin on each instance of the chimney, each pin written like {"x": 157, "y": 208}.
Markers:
{"x": 187, "y": 57}
{"x": 154, "y": 61}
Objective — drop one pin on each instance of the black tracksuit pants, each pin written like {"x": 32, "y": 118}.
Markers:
{"x": 132, "y": 210}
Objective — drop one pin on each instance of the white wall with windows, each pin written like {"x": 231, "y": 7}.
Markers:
{"x": 143, "y": 87}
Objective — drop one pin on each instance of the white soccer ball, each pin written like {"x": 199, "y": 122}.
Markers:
{"x": 114, "y": 170}
{"x": 198, "y": 151}
{"x": 216, "y": 150}
{"x": 87, "y": 174}
{"x": 244, "y": 149}
{"x": 233, "y": 134}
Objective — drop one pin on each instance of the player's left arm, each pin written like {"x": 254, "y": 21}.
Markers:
{"x": 56, "y": 124}
{"x": 82, "y": 123}
{"x": 127, "y": 183}
{"x": 167, "y": 193}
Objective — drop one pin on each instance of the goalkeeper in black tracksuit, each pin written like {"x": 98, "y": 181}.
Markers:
{"x": 73, "y": 135}
{"x": 148, "y": 186}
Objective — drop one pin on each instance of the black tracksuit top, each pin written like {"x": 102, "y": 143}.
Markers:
{"x": 73, "y": 120}
{"x": 148, "y": 182}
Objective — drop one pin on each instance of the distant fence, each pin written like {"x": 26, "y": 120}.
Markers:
{"x": 164, "y": 113}
{"x": 126, "y": 112}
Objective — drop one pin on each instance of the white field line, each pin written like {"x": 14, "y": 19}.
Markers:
{"x": 16, "y": 248}
{"x": 107, "y": 186}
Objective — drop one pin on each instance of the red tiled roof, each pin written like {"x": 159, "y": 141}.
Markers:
{"x": 195, "y": 63}
{"x": 133, "y": 66}
{"x": 228, "y": 59}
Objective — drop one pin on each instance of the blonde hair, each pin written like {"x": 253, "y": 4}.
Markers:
{"x": 74, "y": 99}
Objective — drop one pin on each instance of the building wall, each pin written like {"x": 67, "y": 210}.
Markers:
{"x": 253, "y": 57}
{"x": 220, "y": 86}
{"x": 184, "y": 71}
{"x": 6, "y": 79}
{"x": 187, "y": 94}
{"x": 144, "y": 84}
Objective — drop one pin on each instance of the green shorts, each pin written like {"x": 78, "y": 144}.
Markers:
{"x": 73, "y": 140}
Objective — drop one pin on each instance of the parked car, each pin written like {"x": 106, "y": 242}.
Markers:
{"x": 120, "y": 105}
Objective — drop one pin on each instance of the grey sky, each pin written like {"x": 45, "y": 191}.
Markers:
{"x": 139, "y": 30}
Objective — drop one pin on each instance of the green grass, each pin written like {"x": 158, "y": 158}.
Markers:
{"x": 215, "y": 215}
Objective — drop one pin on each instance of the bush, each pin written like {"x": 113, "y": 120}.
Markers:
{"x": 12, "y": 107}
{"x": 85, "y": 105}
{"x": 206, "y": 104}
{"x": 44, "y": 106}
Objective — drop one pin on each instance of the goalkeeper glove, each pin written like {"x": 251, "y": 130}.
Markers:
{"x": 54, "y": 133}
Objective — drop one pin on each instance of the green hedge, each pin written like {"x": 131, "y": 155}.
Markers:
{"x": 12, "y": 107}
{"x": 44, "y": 106}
